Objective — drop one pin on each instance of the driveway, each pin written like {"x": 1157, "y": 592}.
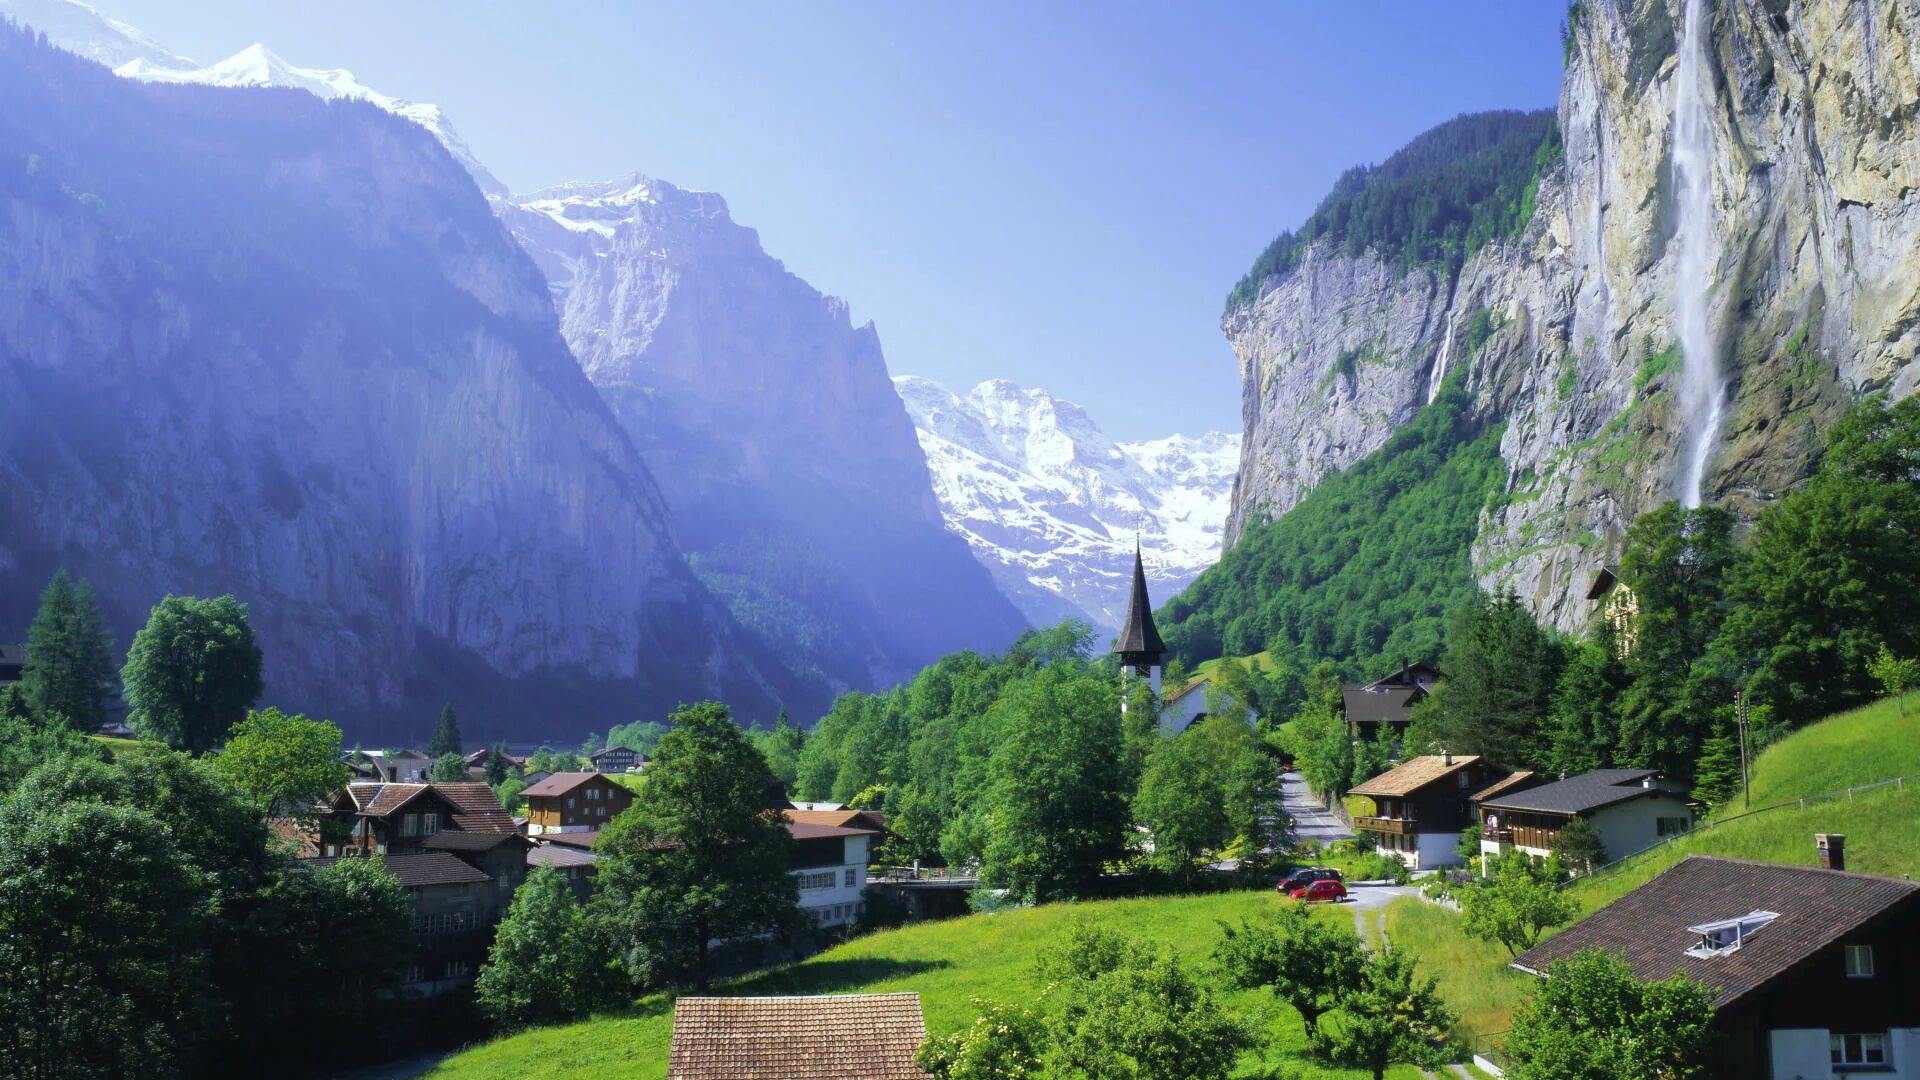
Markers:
{"x": 1311, "y": 821}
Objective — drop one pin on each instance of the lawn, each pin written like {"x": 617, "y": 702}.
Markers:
{"x": 115, "y": 746}
{"x": 947, "y": 963}
{"x": 1848, "y": 749}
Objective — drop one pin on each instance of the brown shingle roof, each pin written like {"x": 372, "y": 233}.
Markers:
{"x": 558, "y": 784}
{"x": 1413, "y": 774}
{"x": 846, "y": 819}
{"x": 1648, "y": 927}
{"x": 485, "y": 840}
{"x": 564, "y": 858}
{"x": 833, "y": 1037}
{"x": 574, "y": 839}
{"x": 429, "y": 868}
{"x": 379, "y": 800}
{"x": 803, "y": 830}
{"x": 475, "y": 807}
{"x": 1519, "y": 781}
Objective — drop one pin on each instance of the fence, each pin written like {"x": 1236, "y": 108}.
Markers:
{"x": 1899, "y": 783}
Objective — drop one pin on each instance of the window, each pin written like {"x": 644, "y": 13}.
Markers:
{"x": 1726, "y": 935}
{"x": 1858, "y": 1049}
{"x": 1859, "y": 961}
{"x": 416, "y": 974}
{"x": 410, "y": 825}
{"x": 852, "y": 877}
{"x": 603, "y": 811}
{"x": 1671, "y": 826}
{"x": 429, "y": 824}
{"x": 817, "y": 881}
{"x": 459, "y": 969}
{"x": 569, "y": 802}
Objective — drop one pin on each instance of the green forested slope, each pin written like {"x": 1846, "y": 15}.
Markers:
{"x": 1366, "y": 569}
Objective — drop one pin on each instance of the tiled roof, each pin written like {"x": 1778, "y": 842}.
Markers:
{"x": 1409, "y": 675}
{"x": 573, "y": 839}
{"x": 558, "y": 784}
{"x": 1519, "y": 781}
{"x": 1578, "y": 794}
{"x": 429, "y": 868}
{"x": 379, "y": 800}
{"x": 1393, "y": 704}
{"x": 1648, "y": 927}
{"x": 832, "y": 1037}
{"x": 470, "y": 841}
{"x": 1413, "y": 774}
{"x": 564, "y": 858}
{"x": 475, "y": 807}
{"x": 12, "y": 655}
{"x": 846, "y": 819}
{"x": 802, "y": 830}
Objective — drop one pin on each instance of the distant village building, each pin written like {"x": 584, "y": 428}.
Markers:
{"x": 400, "y": 767}
{"x": 573, "y": 802}
{"x": 1629, "y": 809}
{"x": 1387, "y": 702}
{"x": 1188, "y": 706}
{"x": 454, "y": 851}
{"x": 1142, "y": 653}
{"x": 617, "y": 759}
{"x": 1422, "y": 805}
{"x": 13, "y": 661}
{"x": 824, "y": 1037}
{"x": 1620, "y": 610}
{"x": 831, "y": 852}
{"x": 1815, "y": 972}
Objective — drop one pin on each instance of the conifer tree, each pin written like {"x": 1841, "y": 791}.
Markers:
{"x": 497, "y": 764}
{"x": 69, "y": 670}
{"x": 446, "y": 734}
{"x": 1716, "y": 774}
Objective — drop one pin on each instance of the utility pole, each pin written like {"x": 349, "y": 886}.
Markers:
{"x": 1740, "y": 711}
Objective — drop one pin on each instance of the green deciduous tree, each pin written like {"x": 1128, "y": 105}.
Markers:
{"x": 547, "y": 962}
{"x": 448, "y": 768}
{"x": 69, "y": 670}
{"x": 1895, "y": 674}
{"x": 285, "y": 764}
{"x": 446, "y": 735}
{"x": 1003, "y": 1043}
{"x": 1676, "y": 562}
{"x": 27, "y": 741}
{"x": 1392, "y": 1015}
{"x": 1147, "y": 1018}
{"x": 1578, "y": 847}
{"x": 1592, "y": 1019}
{"x": 699, "y": 857}
{"x": 1182, "y": 803}
{"x": 193, "y": 671}
{"x": 1517, "y": 902}
{"x": 1307, "y": 964}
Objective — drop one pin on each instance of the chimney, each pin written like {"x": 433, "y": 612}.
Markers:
{"x": 1833, "y": 849}
{"x": 1446, "y": 757}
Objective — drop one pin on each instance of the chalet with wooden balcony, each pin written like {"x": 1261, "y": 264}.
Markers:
{"x": 1422, "y": 805}
{"x": 1815, "y": 972}
{"x": 1629, "y": 809}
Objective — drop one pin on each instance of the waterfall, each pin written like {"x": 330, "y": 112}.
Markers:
{"x": 1440, "y": 364}
{"x": 1702, "y": 390}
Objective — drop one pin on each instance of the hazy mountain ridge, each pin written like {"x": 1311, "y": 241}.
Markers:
{"x": 279, "y": 346}
{"x": 1052, "y": 505}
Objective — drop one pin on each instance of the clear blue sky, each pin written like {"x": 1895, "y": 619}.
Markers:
{"x": 1059, "y": 194}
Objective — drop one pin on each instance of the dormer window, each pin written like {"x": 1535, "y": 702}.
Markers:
{"x": 1727, "y": 935}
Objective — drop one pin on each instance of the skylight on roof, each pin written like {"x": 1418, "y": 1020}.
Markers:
{"x": 1727, "y": 935}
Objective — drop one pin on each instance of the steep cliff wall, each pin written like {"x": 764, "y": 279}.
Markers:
{"x": 1566, "y": 330}
{"x": 255, "y": 342}
{"x": 788, "y": 460}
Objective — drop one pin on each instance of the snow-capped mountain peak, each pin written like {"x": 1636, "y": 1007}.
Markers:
{"x": 132, "y": 54}
{"x": 1053, "y": 506}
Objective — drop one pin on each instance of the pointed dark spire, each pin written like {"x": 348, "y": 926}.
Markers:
{"x": 1139, "y": 644}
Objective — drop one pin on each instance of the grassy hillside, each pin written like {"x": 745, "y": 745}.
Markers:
{"x": 1847, "y": 750}
{"x": 947, "y": 963}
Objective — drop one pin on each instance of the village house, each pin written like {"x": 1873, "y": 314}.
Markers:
{"x": 831, "y": 852}
{"x": 13, "y": 662}
{"x": 1629, "y": 809}
{"x": 824, "y": 1037}
{"x": 1422, "y": 805}
{"x": 1620, "y": 608}
{"x": 573, "y": 802}
{"x": 455, "y": 852}
{"x": 400, "y": 767}
{"x": 1187, "y": 706}
{"x": 576, "y": 864}
{"x": 618, "y": 759}
{"x": 1815, "y": 971}
{"x": 1388, "y": 701}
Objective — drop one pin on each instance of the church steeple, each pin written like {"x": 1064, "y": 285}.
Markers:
{"x": 1139, "y": 645}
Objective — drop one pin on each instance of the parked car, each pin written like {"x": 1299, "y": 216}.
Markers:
{"x": 1305, "y": 876}
{"x": 1326, "y": 889}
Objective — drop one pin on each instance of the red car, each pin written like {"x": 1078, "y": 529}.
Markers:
{"x": 1328, "y": 890}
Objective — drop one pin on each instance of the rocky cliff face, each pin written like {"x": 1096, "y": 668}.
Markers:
{"x": 1053, "y": 507}
{"x": 1567, "y": 331}
{"x": 261, "y": 343}
{"x": 785, "y": 454}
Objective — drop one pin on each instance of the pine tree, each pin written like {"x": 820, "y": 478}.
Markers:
{"x": 1716, "y": 774}
{"x": 446, "y": 734}
{"x": 497, "y": 764}
{"x": 69, "y": 670}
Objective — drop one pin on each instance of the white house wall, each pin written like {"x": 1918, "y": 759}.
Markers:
{"x": 1626, "y": 828}
{"x": 1805, "y": 1054}
{"x": 844, "y": 894}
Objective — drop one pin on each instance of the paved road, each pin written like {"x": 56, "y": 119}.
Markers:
{"x": 1311, "y": 821}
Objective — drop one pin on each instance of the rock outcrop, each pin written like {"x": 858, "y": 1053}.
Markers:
{"x": 252, "y": 341}
{"x": 1566, "y": 331}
